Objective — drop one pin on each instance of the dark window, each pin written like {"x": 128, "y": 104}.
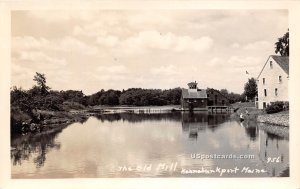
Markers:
{"x": 271, "y": 64}
{"x": 223, "y": 102}
{"x": 265, "y": 91}
{"x": 264, "y": 105}
{"x": 276, "y": 92}
{"x": 280, "y": 79}
{"x": 208, "y": 96}
{"x": 264, "y": 80}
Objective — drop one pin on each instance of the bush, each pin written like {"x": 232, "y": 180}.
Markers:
{"x": 277, "y": 106}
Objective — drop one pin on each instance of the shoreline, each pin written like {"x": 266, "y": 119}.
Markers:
{"x": 254, "y": 114}
{"x": 280, "y": 119}
{"x": 52, "y": 119}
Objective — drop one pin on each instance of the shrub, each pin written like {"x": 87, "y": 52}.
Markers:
{"x": 277, "y": 106}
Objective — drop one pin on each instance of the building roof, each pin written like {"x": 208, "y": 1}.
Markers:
{"x": 212, "y": 89}
{"x": 282, "y": 61}
{"x": 193, "y": 94}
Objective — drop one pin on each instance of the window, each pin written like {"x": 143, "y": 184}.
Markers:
{"x": 276, "y": 92}
{"x": 264, "y": 105}
{"x": 280, "y": 79}
{"x": 271, "y": 64}
{"x": 265, "y": 91}
{"x": 264, "y": 81}
{"x": 207, "y": 95}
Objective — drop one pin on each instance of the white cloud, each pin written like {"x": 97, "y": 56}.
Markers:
{"x": 61, "y": 15}
{"x": 116, "y": 69}
{"x": 109, "y": 41}
{"x": 29, "y": 43}
{"x": 41, "y": 58}
{"x": 243, "y": 61}
{"x": 258, "y": 45}
{"x": 215, "y": 61}
{"x": 71, "y": 44}
{"x": 235, "y": 45}
{"x": 146, "y": 41}
{"x": 66, "y": 44}
{"x": 165, "y": 70}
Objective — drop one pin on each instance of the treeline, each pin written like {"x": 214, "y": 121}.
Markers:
{"x": 136, "y": 97}
{"x": 233, "y": 97}
{"x": 42, "y": 97}
{"x": 55, "y": 100}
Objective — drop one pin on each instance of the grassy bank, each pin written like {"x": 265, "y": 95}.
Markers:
{"x": 280, "y": 118}
{"x": 39, "y": 121}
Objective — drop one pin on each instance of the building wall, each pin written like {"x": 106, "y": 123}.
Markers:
{"x": 195, "y": 103}
{"x": 271, "y": 76}
{"x": 216, "y": 99}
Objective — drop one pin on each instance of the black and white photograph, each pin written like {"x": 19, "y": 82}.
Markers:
{"x": 166, "y": 93}
{"x": 156, "y": 93}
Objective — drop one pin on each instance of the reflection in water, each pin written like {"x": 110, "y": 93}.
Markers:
{"x": 198, "y": 122}
{"x": 100, "y": 145}
{"x": 135, "y": 118}
{"x": 24, "y": 146}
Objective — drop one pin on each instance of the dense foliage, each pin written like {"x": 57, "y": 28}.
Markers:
{"x": 250, "y": 89}
{"x": 232, "y": 97}
{"x": 277, "y": 106}
{"x": 282, "y": 45}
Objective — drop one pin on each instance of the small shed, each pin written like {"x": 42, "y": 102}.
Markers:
{"x": 193, "y": 98}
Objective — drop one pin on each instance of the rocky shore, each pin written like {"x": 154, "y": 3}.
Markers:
{"x": 281, "y": 118}
{"x": 47, "y": 120}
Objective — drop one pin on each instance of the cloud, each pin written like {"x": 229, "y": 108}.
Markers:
{"x": 235, "y": 45}
{"x": 146, "y": 41}
{"x": 165, "y": 70}
{"x": 66, "y": 44}
{"x": 258, "y": 45}
{"x": 41, "y": 58}
{"x": 116, "y": 69}
{"x": 215, "y": 61}
{"x": 109, "y": 41}
{"x": 243, "y": 61}
{"x": 71, "y": 44}
{"x": 28, "y": 43}
{"x": 61, "y": 16}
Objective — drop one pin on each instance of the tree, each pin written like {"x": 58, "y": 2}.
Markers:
{"x": 282, "y": 45}
{"x": 41, "y": 82}
{"x": 250, "y": 89}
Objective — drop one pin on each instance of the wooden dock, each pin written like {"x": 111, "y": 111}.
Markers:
{"x": 220, "y": 108}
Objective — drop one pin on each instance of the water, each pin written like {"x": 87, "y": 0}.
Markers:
{"x": 153, "y": 145}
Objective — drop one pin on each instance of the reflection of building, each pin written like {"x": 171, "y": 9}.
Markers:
{"x": 272, "y": 82}
{"x": 201, "y": 99}
{"x": 197, "y": 122}
{"x": 274, "y": 150}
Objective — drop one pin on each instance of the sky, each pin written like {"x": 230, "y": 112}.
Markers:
{"x": 121, "y": 49}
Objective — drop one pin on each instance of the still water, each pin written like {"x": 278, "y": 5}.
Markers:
{"x": 154, "y": 145}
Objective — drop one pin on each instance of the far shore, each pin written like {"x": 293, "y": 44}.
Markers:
{"x": 52, "y": 119}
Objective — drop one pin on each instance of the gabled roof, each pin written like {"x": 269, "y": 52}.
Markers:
{"x": 282, "y": 61}
{"x": 212, "y": 89}
{"x": 194, "y": 94}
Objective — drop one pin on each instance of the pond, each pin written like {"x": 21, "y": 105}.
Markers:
{"x": 164, "y": 144}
